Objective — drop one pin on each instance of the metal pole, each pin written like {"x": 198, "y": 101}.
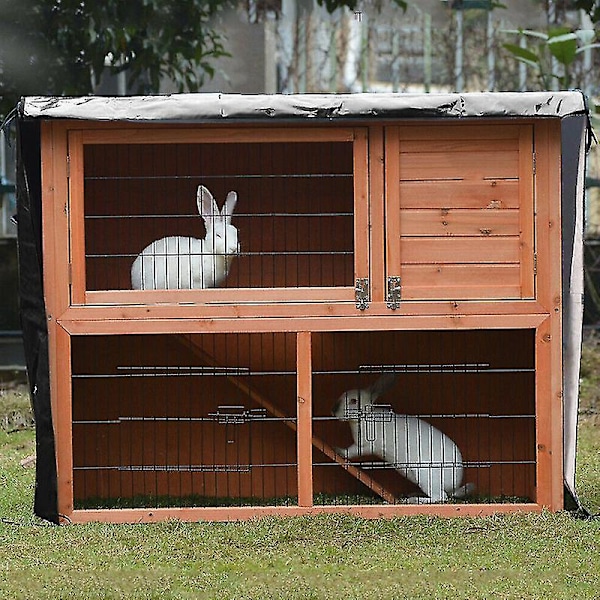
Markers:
{"x": 458, "y": 56}
{"x": 491, "y": 58}
{"x": 427, "y": 52}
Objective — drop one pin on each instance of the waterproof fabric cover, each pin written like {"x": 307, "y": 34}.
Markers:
{"x": 33, "y": 314}
{"x": 211, "y": 107}
{"x": 570, "y": 107}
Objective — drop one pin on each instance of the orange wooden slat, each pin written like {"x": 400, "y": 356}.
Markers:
{"x": 55, "y": 243}
{"x": 492, "y": 291}
{"x": 459, "y": 165}
{"x": 62, "y": 418}
{"x": 199, "y": 134}
{"x": 304, "y": 412}
{"x": 460, "y": 250}
{"x": 222, "y": 296}
{"x": 77, "y": 217}
{"x": 450, "y": 314}
{"x": 431, "y": 281}
{"x": 526, "y": 212}
{"x": 241, "y": 513}
{"x": 362, "y": 199}
{"x": 375, "y": 219}
{"x": 393, "y": 199}
{"x": 440, "y": 222}
{"x": 494, "y": 194}
{"x": 464, "y": 131}
{"x": 549, "y": 423}
{"x": 55, "y": 224}
{"x": 453, "y": 145}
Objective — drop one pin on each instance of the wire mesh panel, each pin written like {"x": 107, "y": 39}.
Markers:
{"x": 425, "y": 416}
{"x": 195, "y": 420}
{"x": 288, "y": 206}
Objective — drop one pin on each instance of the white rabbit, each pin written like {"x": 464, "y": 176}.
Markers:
{"x": 417, "y": 450}
{"x": 179, "y": 262}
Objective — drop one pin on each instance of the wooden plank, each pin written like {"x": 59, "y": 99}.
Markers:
{"x": 223, "y": 296}
{"x": 451, "y": 314}
{"x": 393, "y": 198}
{"x": 460, "y": 250}
{"x": 55, "y": 244}
{"x": 491, "y": 291}
{"x": 460, "y": 165}
{"x": 458, "y": 143}
{"x": 149, "y": 134}
{"x": 376, "y": 218}
{"x": 526, "y": 211}
{"x": 242, "y": 513}
{"x": 77, "y": 217}
{"x": 60, "y": 344}
{"x": 459, "y": 222}
{"x": 549, "y": 425}
{"x": 362, "y": 200}
{"x": 55, "y": 225}
{"x": 493, "y": 194}
{"x": 192, "y": 319}
{"x": 461, "y": 281}
{"x": 304, "y": 412}
{"x": 465, "y": 131}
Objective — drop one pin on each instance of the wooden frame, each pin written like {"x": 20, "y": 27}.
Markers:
{"x": 78, "y": 138}
{"x": 465, "y": 221}
{"x": 74, "y": 311}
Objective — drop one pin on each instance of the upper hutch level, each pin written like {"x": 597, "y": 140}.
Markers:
{"x": 345, "y": 215}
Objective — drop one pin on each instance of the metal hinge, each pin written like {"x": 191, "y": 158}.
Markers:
{"x": 68, "y": 166}
{"x": 361, "y": 293}
{"x": 534, "y": 163}
{"x": 70, "y": 273}
{"x": 394, "y": 292}
{"x": 535, "y": 263}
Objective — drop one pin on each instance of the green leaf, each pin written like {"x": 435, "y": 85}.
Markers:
{"x": 522, "y": 54}
{"x": 563, "y": 47}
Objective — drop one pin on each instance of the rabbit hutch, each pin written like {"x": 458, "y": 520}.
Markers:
{"x": 238, "y": 306}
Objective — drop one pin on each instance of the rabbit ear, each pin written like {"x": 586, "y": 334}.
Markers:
{"x": 207, "y": 207}
{"x": 382, "y": 385}
{"x": 228, "y": 207}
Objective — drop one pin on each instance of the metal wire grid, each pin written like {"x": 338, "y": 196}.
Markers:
{"x": 201, "y": 440}
{"x": 489, "y": 434}
{"x": 294, "y": 213}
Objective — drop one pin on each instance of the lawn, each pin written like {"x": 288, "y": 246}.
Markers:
{"x": 517, "y": 556}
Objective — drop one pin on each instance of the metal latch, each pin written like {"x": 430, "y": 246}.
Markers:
{"x": 361, "y": 293}
{"x": 394, "y": 291}
{"x": 237, "y": 415}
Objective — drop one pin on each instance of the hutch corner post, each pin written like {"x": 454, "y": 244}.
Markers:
{"x": 426, "y": 248}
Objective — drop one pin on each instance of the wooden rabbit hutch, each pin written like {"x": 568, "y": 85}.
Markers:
{"x": 418, "y": 238}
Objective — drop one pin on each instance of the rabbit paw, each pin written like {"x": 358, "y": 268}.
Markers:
{"x": 343, "y": 452}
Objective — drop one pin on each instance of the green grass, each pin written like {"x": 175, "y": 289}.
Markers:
{"x": 547, "y": 556}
